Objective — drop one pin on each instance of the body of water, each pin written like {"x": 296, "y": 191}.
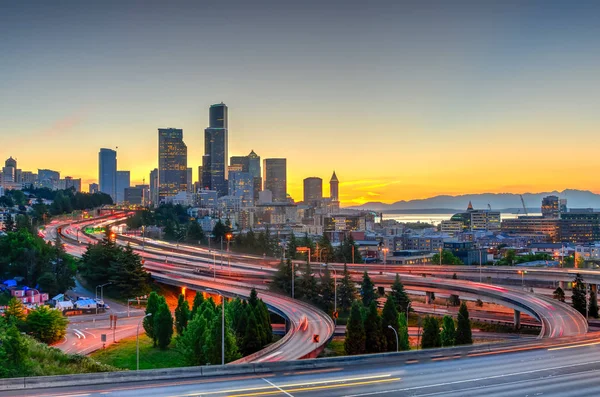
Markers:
{"x": 436, "y": 219}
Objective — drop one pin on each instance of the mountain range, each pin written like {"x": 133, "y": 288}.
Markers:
{"x": 497, "y": 201}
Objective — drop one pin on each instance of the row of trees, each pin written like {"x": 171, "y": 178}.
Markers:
{"x": 43, "y": 323}
{"x": 25, "y": 254}
{"x": 584, "y": 305}
{"x": 452, "y": 334}
{"x": 107, "y": 262}
{"x": 448, "y": 258}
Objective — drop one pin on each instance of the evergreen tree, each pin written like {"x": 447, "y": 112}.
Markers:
{"x": 47, "y": 325}
{"x": 128, "y": 273}
{"x": 182, "y": 314}
{"x": 213, "y": 341}
{"x": 463, "y": 328}
{"x": 152, "y": 309}
{"x": 355, "y": 332}
{"x": 192, "y": 343}
{"x": 367, "y": 290}
{"x": 291, "y": 247}
{"x": 251, "y": 341}
{"x": 15, "y": 348}
{"x": 307, "y": 290}
{"x": 559, "y": 294}
{"x": 390, "y": 316}
{"x": 431, "y": 333}
{"x": 265, "y": 320}
{"x": 346, "y": 291}
{"x": 326, "y": 252}
{"x": 399, "y": 296}
{"x": 448, "y": 334}
{"x": 198, "y": 301}
{"x": 403, "y": 333}
{"x": 593, "y": 305}
{"x": 15, "y": 311}
{"x": 163, "y": 324}
{"x": 219, "y": 231}
{"x": 194, "y": 233}
{"x": 373, "y": 331}
{"x": 327, "y": 291}
{"x": 282, "y": 281}
{"x": 578, "y": 297}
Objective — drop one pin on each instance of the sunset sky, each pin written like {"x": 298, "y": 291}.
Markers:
{"x": 404, "y": 99}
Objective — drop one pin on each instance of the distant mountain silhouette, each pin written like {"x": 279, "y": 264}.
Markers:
{"x": 498, "y": 201}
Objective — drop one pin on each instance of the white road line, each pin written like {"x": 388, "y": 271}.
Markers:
{"x": 277, "y": 387}
{"x": 471, "y": 380}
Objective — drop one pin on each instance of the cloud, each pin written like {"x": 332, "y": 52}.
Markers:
{"x": 65, "y": 124}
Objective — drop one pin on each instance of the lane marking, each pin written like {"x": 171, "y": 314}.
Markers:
{"x": 277, "y": 387}
{"x": 305, "y": 389}
{"x": 457, "y": 382}
{"x": 571, "y": 347}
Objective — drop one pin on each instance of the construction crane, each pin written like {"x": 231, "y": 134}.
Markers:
{"x": 523, "y": 202}
{"x": 489, "y": 207}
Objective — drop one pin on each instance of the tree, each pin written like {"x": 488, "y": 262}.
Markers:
{"x": 454, "y": 300}
{"x": 593, "y": 305}
{"x": 15, "y": 348}
{"x": 292, "y": 245}
{"x": 403, "y": 341}
{"x": 578, "y": 297}
{"x": 282, "y": 280}
{"x": 182, "y": 314}
{"x": 559, "y": 294}
{"x": 128, "y": 274}
{"x": 431, "y": 333}
{"x": 399, "y": 296}
{"x": 194, "y": 232}
{"x": 448, "y": 258}
{"x": 391, "y": 316}
{"x": 463, "y": 328}
{"x": 307, "y": 290}
{"x": 367, "y": 290}
{"x": 326, "y": 252}
{"x": 327, "y": 290}
{"x": 152, "y": 306}
{"x": 355, "y": 332}
{"x": 213, "y": 340}
{"x": 192, "y": 343}
{"x": 448, "y": 334}
{"x": 15, "y": 312}
{"x": 346, "y": 291}
{"x": 219, "y": 231}
{"x": 198, "y": 301}
{"x": 373, "y": 331}
{"x": 163, "y": 324}
{"x": 251, "y": 341}
{"x": 47, "y": 325}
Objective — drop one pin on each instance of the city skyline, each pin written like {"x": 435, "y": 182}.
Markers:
{"x": 454, "y": 99}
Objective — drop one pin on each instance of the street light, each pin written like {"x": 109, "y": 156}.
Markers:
{"x": 407, "y": 309}
{"x": 101, "y": 294}
{"x": 137, "y": 340}
{"x": 222, "y": 324}
{"x": 334, "y": 288}
{"x": 395, "y": 333}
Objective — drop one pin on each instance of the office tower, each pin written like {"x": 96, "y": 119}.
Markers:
{"x": 107, "y": 172}
{"x": 551, "y": 207}
{"x": 274, "y": 171}
{"x": 313, "y": 190}
{"x": 28, "y": 178}
{"x": 190, "y": 182}
{"x": 334, "y": 192}
{"x": 135, "y": 195}
{"x": 214, "y": 161}
{"x": 93, "y": 188}
{"x": 9, "y": 171}
{"x": 154, "y": 187}
{"x": 242, "y": 161}
{"x": 172, "y": 163}
{"x": 71, "y": 183}
{"x": 123, "y": 182}
{"x": 48, "y": 179}
{"x": 254, "y": 169}
{"x": 241, "y": 184}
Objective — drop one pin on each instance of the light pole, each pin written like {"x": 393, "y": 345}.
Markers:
{"x": 137, "y": 340}
{"x": 479, "y": 264}
{"x": 395, "y": 333}
{"x": 385, "y": 251}
{"x": 222, "y": 324}
{"x": 334, "y": 288}
{"x": 293, "y": 276}
{"x": 101, "y": 294}
{"x": 407, "y": 309}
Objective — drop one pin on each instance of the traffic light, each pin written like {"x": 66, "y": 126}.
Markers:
{"x": 316, "y": 338}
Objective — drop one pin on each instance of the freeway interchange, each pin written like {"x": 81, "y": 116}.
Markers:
{"x": 554, "y": 365}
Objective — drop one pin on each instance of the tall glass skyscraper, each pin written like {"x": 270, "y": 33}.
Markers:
{"x": 313, "y": 190}
{"x": 254, "y": 170}
{"x": 107, "y": 172}
{"x": 241, "y": 185}
{"x": 172, "y": 162}
{"x": 275, "y": 177}
{"x": 214, "y": 161}
{"x": 123, "y": 182}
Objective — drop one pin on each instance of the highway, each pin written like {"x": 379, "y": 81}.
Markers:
{"x": 569, "y": 369}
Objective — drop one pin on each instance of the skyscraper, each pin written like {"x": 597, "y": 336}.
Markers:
{"x": 154, "y": 187}
{"x": 275, "y": 178}
{"x": 9, "y": 171}
{"x": 241, "y": 185}
{"x": 93, "y": 188}
{"x": 313, "y": 190}
{"x": 48, "y": 178}
{"x": 334, "y": 192}
{"x": 123, "y": 182}
{"x": 107, "y": 172}
{"x": 190, "y": 182}
{"x": 172, "y": 163}
{"x": 242, "y": 161}
{"x": 254, "y": 169}
{"x": 214, "y": 161}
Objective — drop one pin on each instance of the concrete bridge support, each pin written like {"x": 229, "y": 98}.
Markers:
{"x": 428, "y": 297}
{"x": 594, "y": 297}
{"x": 561, "y": 284}
{"x": 517, "y": 319}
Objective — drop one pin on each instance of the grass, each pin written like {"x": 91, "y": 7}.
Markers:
{"x": 335, "y": 348}
{"x": 123, "y": 355}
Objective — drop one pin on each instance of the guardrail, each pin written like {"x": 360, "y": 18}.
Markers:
{"x": 176, "y": 374}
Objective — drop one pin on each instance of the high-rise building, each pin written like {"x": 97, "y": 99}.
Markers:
{"x": 313, "y": 190}
{"x": 254, "y": 170}
{"x": 107, "y": 172}
{"x": 9, "y": 171}
{"x": 71, "y": 183}
{"x": 172, "y": 163}
{"x": 241, "y": 184}
{"x": 242, "y": 161}
{"x": 123, "y": 182}
{"x": 214, "y": 161}
{"x": 134, "y": 195}
{"x": 153, "y": 188}
{"x": 190, "y": 181}
{"x": 275, "y": 178}
{"x": 550, "y": 207}
{"x": 48, "y": 179}
{"x": 93, "y": 188}
{"x": 28, "y": 178}
{"x": 334, "y": 192}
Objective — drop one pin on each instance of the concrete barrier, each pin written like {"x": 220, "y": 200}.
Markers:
{"x": 12, "y": 384}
